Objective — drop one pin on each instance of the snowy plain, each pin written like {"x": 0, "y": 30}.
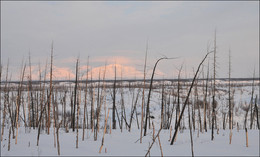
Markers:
{"x": 127, "y": 143}
{"x": 124, "y": 144}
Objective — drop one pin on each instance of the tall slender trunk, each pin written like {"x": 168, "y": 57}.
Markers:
{"x": 75, "y": 96}
{"x": 78, "y": 110}
{"x": 31, "y": 92}
{"x": 251, "y": 102}
{"x": 142, "y": 109}
{"x": 162, "y": 108}
{"x": 229, "y": 93}
{"x": 18, "y": 101}
{"x": 50, "y": 94}
{"x": 214, "y": 91}
{"x": 205, "y": 100}
{"x": 114, "y": 103}
{"x": 85, "y": 104}
{"x": 191, "y": 140}
{"x": 187, "y": 98}
{"x": 178, "y": 98}
{"x": 256, "y": 110}
{"x": 149, "y": 95}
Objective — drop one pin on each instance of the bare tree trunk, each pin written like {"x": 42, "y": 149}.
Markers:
{"x": 251, "y": 103}
{"x": 58, "y": 141}
{"x": 92, "y": 91}
{"x": 9, "y": 146}
{"x": 153, "y": 142}
{"x": 191, "y": 140}
{"x": 54, "y": 117}
{"x": 30, "y": 88}
{"x": 75, "y": 96}
{"x": 162, "y": 108}
{"x": 18, "y": 101}
{"x": 214, "y": 90}
{"x": 100, "y": 100}
{"x": 229, "y": 94}
{"x": 256, "y": 110}
{"x": 39, "y": 127}
{"x": 98, "y": 103}
{"x": 149, "y": 95}
{"x": 4, "y": 110}
{"x": 245, "y": 122}
{"x": 50, "y": 94}
{"x": 78, "y": 109}
{"x": 85, "y": 104}
{"x": 186, "y": 101}
{"x": 134, "y": 110}
{"x": 205, "y": 100}
{"x": 142, "y": 112}
{"x": 178, "y": 98}
{"x": 246, "y": 137}
{"x": 114, "y": 103}
{"x": 105, "y": 127}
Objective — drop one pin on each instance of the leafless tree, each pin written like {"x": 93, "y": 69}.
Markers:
{"x": 187, "y": 99}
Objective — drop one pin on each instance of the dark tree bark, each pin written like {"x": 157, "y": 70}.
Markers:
{"x": 187, "y": 99}
{"x": 214, "y": 90}
{"x": 149, "y": 95}
{"x": 114, "y": 103}
{"x": 50, "y": 94}
{"x": 75, "y": 96}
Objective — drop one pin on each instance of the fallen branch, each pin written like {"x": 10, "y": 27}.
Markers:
{"x": 153, "y": 142}
{"x": 102, "y": 143}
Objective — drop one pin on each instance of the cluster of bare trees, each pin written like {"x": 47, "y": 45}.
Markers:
{"x": 48, "y": 107}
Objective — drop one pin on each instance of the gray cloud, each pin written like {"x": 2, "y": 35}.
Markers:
{"x": 98, "y": 29}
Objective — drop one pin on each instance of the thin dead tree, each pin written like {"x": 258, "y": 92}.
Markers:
{"x": 100, "y": 98}
{"x": 85, "y": 104}
{"x": 230, "y": 107}
{"x": 18, "y": 100}
{"x": 251, "y": 101}
{"x": 114, "y": 103}
{"x": 187, "y": 99}
{"x": 178, "y": 97}
{"x": 205, "y": 99}
{"x": 103, "y": 138}
{"x": 256, "y": 111}
{"x": 44, "y": 107}
{"x": 58, "y": 141}
{"x": 50, "y": 94}
{"x": 4, "y": 110}
{"x": 98, "y": 104}
{"x": 229, "y": 93}
{"x": 78, "y": 108}
{"x": 75, "y": 97}
{"x": 214, "y": 91}
{"x": 162, "y": 107}
{"x": 54, "y": 115}
{"x": 191, "y": 140}
{"x": 142, "y": 112}
{"x": 32, "y": 122}
{"x": 134, "y": 109}
{"x": 153, "y": 142}
{"x": 149, "y": 95}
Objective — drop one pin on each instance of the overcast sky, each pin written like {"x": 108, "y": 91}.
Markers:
{"x": 109, "y": 31}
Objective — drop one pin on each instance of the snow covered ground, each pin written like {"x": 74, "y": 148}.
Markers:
{"x": 126, "y": 143}
{"x": 122, "y": 144}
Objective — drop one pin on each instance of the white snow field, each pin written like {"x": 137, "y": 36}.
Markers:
{"x": 125, "y": 143}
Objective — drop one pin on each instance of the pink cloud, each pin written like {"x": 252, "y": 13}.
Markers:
{"x": 114, "y": 59}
